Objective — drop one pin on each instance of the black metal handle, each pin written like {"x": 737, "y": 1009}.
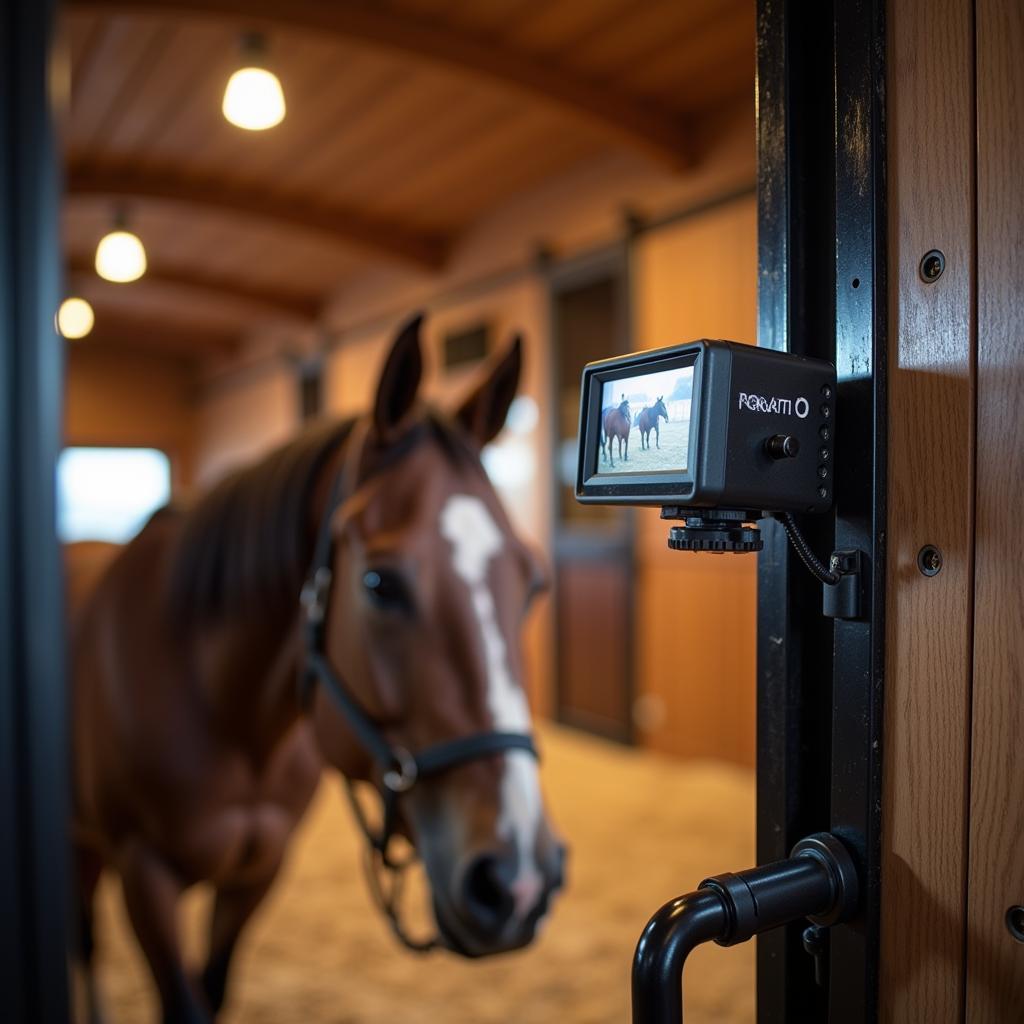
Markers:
{"x": 818, "y": 881}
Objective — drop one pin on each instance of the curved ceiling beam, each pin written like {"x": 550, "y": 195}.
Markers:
{"x": 661, "y": 134}
{"x": 289, "y": 303}
{"x": 384, "y": 237}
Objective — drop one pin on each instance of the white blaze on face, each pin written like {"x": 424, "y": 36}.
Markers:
{"x": 475, "y": 538}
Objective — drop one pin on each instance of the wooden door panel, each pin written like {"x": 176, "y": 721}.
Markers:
{"x": 995, "y": 960}
{"x": 928, "y": 631}
{"x": 593, "y": 627}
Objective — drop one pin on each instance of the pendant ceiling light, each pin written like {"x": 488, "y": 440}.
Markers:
{"x": 254, "y": 99}
{"x": 75, "y": 318}
{"x": 120, "y": 256}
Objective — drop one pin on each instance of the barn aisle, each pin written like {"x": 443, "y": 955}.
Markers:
{"x": 642, "y": 829}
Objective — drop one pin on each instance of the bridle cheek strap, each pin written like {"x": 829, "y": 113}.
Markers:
{"x": 399, "y": 769}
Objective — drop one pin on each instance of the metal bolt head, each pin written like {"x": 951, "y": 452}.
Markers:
{"x": 933, "y": 263}
{"x": 929, "y": 560}
{"x": 1015, "y": 922}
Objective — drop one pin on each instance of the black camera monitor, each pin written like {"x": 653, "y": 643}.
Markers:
{"x": 708, "y": 425}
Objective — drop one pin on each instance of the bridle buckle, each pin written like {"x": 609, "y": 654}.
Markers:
{"x": 313, "y": 596}
{"x": 402, "y": 776}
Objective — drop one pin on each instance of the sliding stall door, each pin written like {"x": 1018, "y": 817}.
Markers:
{"x": 593, "y": 545}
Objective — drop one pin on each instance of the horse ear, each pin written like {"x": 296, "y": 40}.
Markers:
{"x": 400, "y": 379}
{"x": 483, "y": 413}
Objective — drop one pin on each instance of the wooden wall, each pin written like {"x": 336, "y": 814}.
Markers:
{"x": 120, "y": 396}
{"x": 995, "y": 959}
{"x": 244, "y": 413}
{"x": 952, "y": 771}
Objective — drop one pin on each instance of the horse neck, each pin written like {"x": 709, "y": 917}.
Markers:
{"x": 252, "y": 663}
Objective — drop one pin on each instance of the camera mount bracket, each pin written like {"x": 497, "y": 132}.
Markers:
{"x": 716, "y": 530}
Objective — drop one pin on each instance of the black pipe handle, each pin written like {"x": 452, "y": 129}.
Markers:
{"x": 818, "y": 880}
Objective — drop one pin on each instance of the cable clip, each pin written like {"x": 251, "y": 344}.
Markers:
{"x": 844, "y": 598}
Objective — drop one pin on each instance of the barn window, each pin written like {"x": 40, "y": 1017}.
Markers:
{"x": 109, "y": 493}
{"x": 463, "y": 347}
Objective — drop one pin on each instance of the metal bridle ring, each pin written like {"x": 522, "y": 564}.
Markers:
{"x": 402, "y": 777}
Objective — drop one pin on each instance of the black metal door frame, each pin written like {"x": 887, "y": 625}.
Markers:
{"x": 34, "y": 861}
{"x": 822, "y": 292}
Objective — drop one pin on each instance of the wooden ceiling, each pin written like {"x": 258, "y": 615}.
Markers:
{"x": 407, "y": 120}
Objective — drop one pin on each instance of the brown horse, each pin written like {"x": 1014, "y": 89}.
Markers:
{"x": 615, "y": 423}
{"x": 195, "y": 755}
{"x": 648, "y": 421}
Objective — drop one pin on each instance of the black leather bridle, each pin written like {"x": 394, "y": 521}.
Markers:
{"x": 399, "y": 769}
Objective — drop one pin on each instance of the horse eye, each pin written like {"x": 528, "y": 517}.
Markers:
{"x": 387, "y": 589}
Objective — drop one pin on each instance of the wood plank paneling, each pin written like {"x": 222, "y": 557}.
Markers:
{"x": 928, "y": 661}
{"x": 696, "y": 633}
{"x": 995, "y": 961}
{"x": 119, "y": 397}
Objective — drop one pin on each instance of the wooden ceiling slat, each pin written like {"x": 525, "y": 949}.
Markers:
{"x": 494, "y": 17}
{"x": 159, "y": 97}
{"x": 438, "y": 10}
{"x": 114, "y": 60}
{"x": 421, "y": 147}
{"x": 704, "y": 66}
{"x": 149, "y": 54}
{"x": 418, "y": 97}
{"x": 83, "y": 32}
{"x": 657, "y": 132}
{"x": 622, "y": 42}
{"x": 558, "y": 26}
{"x": 346, "y": 225}
{"x": 364, "y": 82}
{"x": 480, "y": 197}
{"x": 485, "y": 164}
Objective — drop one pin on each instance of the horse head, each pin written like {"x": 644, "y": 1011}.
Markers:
{"x": 624, "y": 409}
{"x": 659, "y": 409}
{"x": 430, "y": 587}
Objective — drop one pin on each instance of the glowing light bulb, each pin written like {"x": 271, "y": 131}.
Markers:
{"x": 75, "y": 318}
{"x": 254, "y": 99}
{"x": 120, "y": 257}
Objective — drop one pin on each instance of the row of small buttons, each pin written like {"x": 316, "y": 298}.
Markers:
{"x": 825, "y": 433}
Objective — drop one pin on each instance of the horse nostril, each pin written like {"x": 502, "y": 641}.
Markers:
{"x": 558, "y": 875}
{"x": 486, "y": 894}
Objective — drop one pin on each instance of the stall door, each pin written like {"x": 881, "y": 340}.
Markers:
{"x": 593, "y": 545}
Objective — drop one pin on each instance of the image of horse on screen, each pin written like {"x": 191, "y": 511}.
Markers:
{"x": 653, "y": 412}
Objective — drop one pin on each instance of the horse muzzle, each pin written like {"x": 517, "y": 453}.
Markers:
{"x": 496, "y": 905}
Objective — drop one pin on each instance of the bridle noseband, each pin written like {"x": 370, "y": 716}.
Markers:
{"x": 400, "y": 770}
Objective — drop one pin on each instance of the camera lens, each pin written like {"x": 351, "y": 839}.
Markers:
{"x": 826, "y": 410}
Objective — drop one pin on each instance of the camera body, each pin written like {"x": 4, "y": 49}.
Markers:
{"x": 705, "y": 426}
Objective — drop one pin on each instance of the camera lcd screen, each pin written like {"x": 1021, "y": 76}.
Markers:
{"x": 645, "y": 423}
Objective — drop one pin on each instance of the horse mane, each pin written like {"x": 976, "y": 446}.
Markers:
{"x": 246, "y": 544}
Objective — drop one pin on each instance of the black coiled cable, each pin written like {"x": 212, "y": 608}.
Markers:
{"x": 829, "y": 576}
